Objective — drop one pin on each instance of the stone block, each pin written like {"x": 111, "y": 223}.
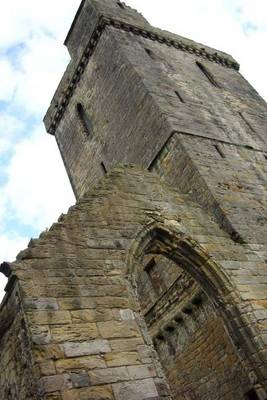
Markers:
{"x": 49, "y": 317}
{"x": 141, "y": 371}
{"x": 115, "y": 329}
{"x": 130, "y": 344}
{"x": 127, "y": 315}
{"x": 41, "y": 304}
{"x": 122, "y": 358}
{"x": 108, "y": 375}
{"x": 47, "y": 368}
{"x": 92, "y": 393}
{"x": 55, "y": 383}
{"x": 41, "y": 334}
{"x": 85, "y": 362}
{"x": 79, "y": 379}
{"x": 74, "y": 332}
{"x": 74, "y": 349}
{"x": 48, "y": 352}
{"x": 80, "y": 316}
{"x": 112, "y": 302}
{"x": 76, "y": 303}
{"x": 136, "y": 390}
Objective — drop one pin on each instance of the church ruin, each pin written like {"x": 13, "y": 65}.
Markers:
{"x": 154, "y": 284}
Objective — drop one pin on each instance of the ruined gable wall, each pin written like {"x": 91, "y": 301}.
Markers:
{"x": 82, "y": 314}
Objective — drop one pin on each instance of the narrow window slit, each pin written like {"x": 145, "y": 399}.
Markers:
{"x": 84, "y": 120}
{"x": 219, "y": 150}
{"x": 179, "y": 96}
{"x": 207, "y": 74}
{"x": 246, "y": 122}
{"x": 104, "y": 169}
{"x": 149, "y": 53}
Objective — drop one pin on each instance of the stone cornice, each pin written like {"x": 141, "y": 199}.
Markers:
{"x": 145, "y": 33}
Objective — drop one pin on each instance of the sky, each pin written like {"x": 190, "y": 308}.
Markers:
{"x": 33, "y": 183}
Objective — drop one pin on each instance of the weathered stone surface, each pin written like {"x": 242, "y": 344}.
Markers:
{"x": 42, "y": 304}
{"x": 77, "y": 363}
{"x": 130, "y": 344}
{"x": 115, "y": 329}
{"x": 82, "y": 316}
{"x": 141, "y": 372}
{"x": 108, "y": 375}
{"x": 137, "y": 390}
{"x": 74, "y": 332}
{"x": 122, "y": 358}
{"x": 55, "y": 383}
{"x": 74, "y": 349}
{"x": 79, "y": 379}
{"x": 94, "y": 393}
{"x": 48, "y": 352}
{"x": 157, "y": 276}
{"x": 47, "y": 368}
{"x": 49, "y": 318}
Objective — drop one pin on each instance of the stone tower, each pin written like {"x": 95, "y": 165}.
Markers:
{"x": 154, "y": 285}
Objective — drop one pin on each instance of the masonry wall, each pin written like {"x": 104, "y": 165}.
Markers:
{"x": 80, "y": 308}
{"x": 133, "y": 94}
{"x": 203, "y": 363}
{"x": 159, "y": 94}
{"x": 195, "y": 350}
{"x": 16, "y": 368}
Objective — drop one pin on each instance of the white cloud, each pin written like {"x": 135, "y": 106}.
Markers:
{"x": 18, "y": 19}
{"x": 42, "y": 64}
{"x": 36, "y": 193}
{"x": 10, "y": 245}
{"x": 37, "y": 190}
{"x": 254, "y": 11}
{"x": 8, "y": 84}
{"x": 31, "y": 64}
{"x": 33, "y": 69}
{"x": 10, "y": 127}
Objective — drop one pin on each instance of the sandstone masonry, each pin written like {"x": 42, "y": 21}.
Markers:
{"x": 154, "y": 284}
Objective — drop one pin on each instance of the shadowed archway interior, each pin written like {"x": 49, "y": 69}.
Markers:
{"x": 192, "y": 314}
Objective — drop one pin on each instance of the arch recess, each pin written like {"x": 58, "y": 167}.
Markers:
{"x": 171, "y": 240}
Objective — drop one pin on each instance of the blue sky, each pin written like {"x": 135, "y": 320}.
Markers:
{"x": 34, "y": 186}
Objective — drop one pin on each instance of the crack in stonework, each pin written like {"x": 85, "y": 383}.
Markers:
{"x": 125, "y": 27}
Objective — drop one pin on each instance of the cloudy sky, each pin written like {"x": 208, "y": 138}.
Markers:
{"x": 34, "y": 187}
